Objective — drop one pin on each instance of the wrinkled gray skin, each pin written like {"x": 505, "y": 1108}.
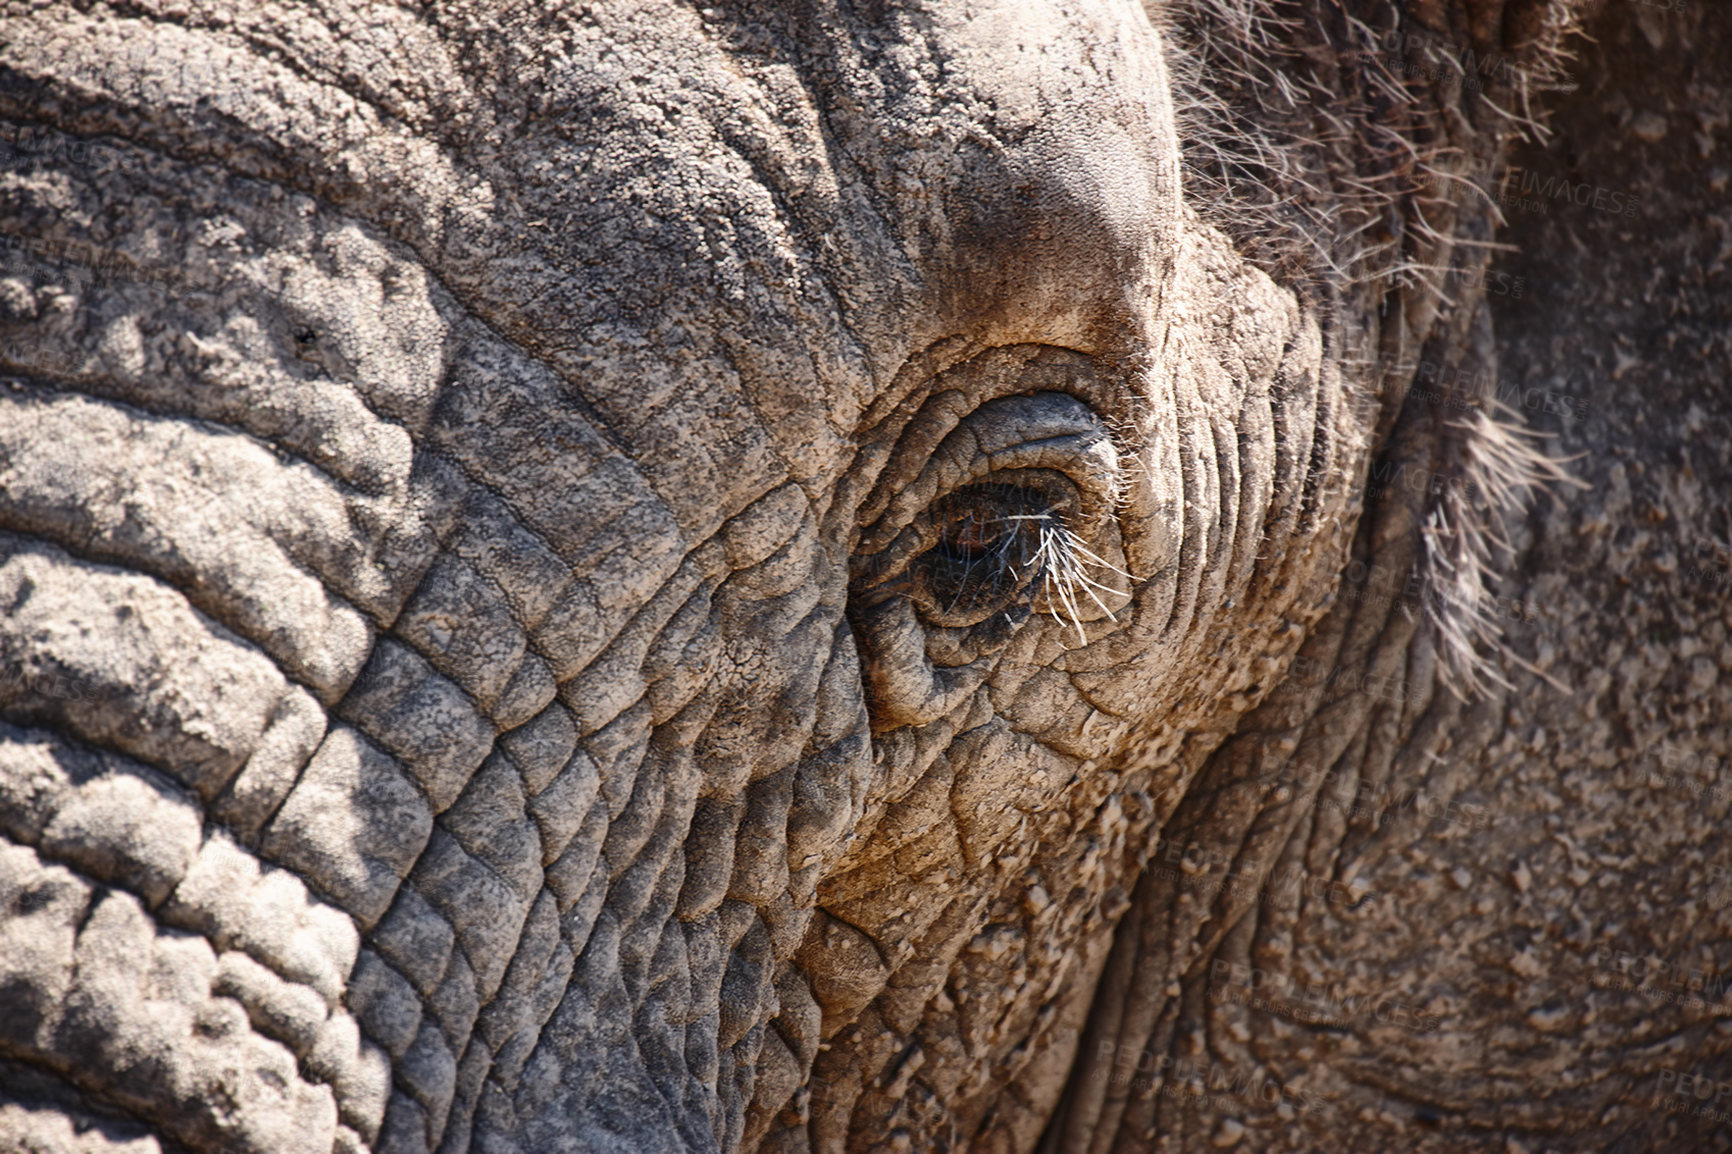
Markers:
{"x": 477, "y": 671}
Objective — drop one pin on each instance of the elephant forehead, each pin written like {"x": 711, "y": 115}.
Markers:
{"x": 726, "y": 230}
{"x": 1084, "y": 136}
{"x": 733, "y": 231}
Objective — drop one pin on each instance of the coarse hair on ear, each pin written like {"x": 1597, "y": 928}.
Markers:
{"x": 1466, "y": 531}
{"x": 1353, "y": 157}
{"x": 1325, "y": 143}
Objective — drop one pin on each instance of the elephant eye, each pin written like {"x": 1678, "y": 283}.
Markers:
{"x": 988, "y": 554}
{"x": 995, "y": 524}
{"x": 1001, "y": 545}
{"x": 975, "y": 532}
{"x": 1010, "y": 514}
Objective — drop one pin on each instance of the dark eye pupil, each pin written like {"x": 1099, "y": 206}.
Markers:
{"x": 988, "y": 551}
{"x": 974, "y": 533}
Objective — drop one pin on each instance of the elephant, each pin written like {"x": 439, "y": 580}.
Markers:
{"x": 818, "y": 577}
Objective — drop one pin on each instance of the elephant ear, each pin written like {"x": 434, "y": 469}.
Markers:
{"x": 1354, "y": 153}
{"x": 1356, "y": 156}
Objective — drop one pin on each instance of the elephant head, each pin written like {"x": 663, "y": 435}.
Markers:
{"x": 609, "y": 577}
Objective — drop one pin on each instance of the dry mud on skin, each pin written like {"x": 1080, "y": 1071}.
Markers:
{"x": 826, "y": 579}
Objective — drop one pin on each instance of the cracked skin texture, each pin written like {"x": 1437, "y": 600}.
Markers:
{"x": 470, "y": 478}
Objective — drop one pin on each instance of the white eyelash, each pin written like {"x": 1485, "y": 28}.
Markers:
{"x": 1065, "y": 561}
